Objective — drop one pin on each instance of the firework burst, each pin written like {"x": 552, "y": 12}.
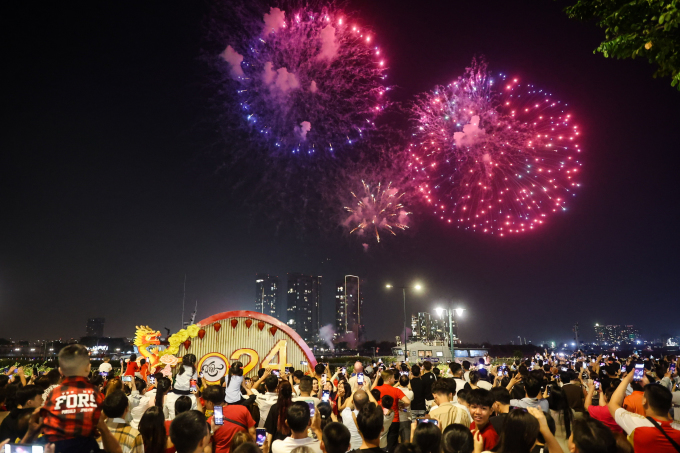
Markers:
{"x": 376, "y": 210}
{"x": 494, "y": 155}
{"x": 302, "y": 80}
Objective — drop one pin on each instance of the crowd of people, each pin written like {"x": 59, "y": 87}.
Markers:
{"x": 546, "y": 403}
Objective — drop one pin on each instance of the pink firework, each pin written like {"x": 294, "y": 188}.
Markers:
{"x": 494, "y": 155}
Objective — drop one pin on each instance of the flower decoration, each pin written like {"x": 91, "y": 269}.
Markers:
{"x": 193, "y": 329}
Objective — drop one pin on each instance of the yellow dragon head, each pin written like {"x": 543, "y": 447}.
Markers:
{"x": 145, "y": 337}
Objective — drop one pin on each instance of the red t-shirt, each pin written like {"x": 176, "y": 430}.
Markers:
{"x": 131, "y": 369}
{"x": 489, "y": 435}
{"x": 394, "y": 393}
{"x": 224, "y": 433}
{"x": 602, "y": 414}
{"x": 144, "y": 371}
{"x": 167, "y": 432}
{"x": 650, "y": 439}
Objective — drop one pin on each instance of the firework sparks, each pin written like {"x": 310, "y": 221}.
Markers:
{"x": 494, "y": 156}
{"x": 303, "y": 80}
{"x": 379, "y": 209}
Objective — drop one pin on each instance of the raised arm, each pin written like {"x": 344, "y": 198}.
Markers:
{"x": 616, "y": 401}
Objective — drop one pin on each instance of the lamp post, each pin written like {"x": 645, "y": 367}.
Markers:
{"x": 417, "y": 287}
{"x": 449, "y": 313}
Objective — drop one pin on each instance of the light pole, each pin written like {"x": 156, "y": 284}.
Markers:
{"x": 417, "y": 287}
{"x": 449, "y": 313}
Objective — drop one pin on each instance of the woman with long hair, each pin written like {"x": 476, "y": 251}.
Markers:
{"x": 132, "y": 366}
{"x": 315, "y": 388}
{"x": 275, "y": 425}
{"x": 326, "y": 414}
{"x": 342, "y": 398}
{"x": 162, "y": 388}
{"x": 562, "y": 414}
{"x": 152, "y": 429}
{"x": 113, "y": 385}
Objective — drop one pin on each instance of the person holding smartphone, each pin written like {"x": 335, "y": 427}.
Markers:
{"x": 633, "y": 402}
{"x": 234, "y": 418}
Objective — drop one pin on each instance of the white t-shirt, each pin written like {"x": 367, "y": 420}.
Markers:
{"x": 183, "y": 381}
{"x": 347, "y": 420}
{"x": 405, "y": 415}
{"x": 289, "y": 444}
{"x": 629, "y": 421}
{"x": 169, "y": 406}
{"x": 460, "y": 385}
{"x": 264, "y": 401}
{"x": 484, "y": 385}
{"x": 232, "y": 393}
{"x": 105, "y": 367}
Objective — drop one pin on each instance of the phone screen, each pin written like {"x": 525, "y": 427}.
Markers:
{"x": 325, "y": 395}
{"x": 639, "y": 372}
{"x": 152, "y": 380}
{"x": 564, "y": 368}
{"x": 104, "y": 374}
{"x": 311, "y": 408}
{"x": 671, "y": 368}
{"x": 261, "y": 436}
{"x": 303, "y": 362}
{"x": 193, "y": 387}
{"x": 428, "y": 420}
{"x": 16, "y": 448}
{"x": 276, "y": 373}
{"x": 217, "y": 415}
{"x": 344, "y": 371}
{"x": 360, "y": 378}
{"x": 127, "y": 378}
{"x": 623, "y": 368}
{"x": 549, "y": 389}
{"x": 597, "y": 385}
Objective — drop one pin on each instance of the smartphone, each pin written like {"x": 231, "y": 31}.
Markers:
{"x": 200, "y": 374}
{"x": 261, "y": 435}
{"x": 127, "y": 379}
{"x": 584, "y": 375}
{"x": 323, "y": 380}
{"x": 597, "y": 385}
{"x": 325, "y": 395}
{"x": 505, "y": 372}
{"x": 289, "y": 369}
{"x": 152, "y": 380}
{"x": 360, "y": 378}
{"x": 403, "y": 373}
{"x": 303, "y": 363}
{"x": 564, "y": 369}
{"x": 344, "y": 370}
{"x": 639, "y": 372}
{"x": 276, "y": 373}
{"x": 104, "y": 374}
{"x": 671, "y": 368}
{"x": 623, "y": 368}
{"x": 428, "y": 420}
{"x": 311, "y": 408}
{"x": 193, "y": 388}
{"x": 549, "y": 389}
{"x": 16, "y": 448}
{"x": 218, "y": 417}
{"x": 602, "y": 364}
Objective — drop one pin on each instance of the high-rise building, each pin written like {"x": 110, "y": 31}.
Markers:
{"x": 95, "y": 327}
{"x": 304, "y": 304}
{"x": 615, "y": 334}
{"x": 421, "y": 329}
{"x": 266, "y": 294}
{"x": 349, "y": 303}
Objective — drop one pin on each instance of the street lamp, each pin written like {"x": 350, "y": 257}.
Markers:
{"x": 417, "y": 287}
{"x": 449, "y": 313}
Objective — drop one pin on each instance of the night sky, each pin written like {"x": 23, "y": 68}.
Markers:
{"x": 111, "y": 194}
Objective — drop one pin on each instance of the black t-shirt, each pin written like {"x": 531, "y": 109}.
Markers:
{"x": 613, "y": 368}
{"x": 418, "y": 387}
{"x": 497, "y": 422}
{"x": 271, "y": 423}
{"x": 428, "y": 379}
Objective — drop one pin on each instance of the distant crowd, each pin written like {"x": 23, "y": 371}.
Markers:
{"x": 543, "y": 404}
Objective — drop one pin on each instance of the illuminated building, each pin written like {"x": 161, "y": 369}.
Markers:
{"x": 349, "y": 303}
{"x": 615, "y": 335}
{"x": 266, "y": 294}
{"x": 304, "y": 304}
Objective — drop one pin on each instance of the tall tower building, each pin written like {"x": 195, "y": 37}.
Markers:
{"x": 267, "y": 294}
{"x": 349, "y": 303}
{"x": 304, "y": 304}
{"x": 95, "y": 327}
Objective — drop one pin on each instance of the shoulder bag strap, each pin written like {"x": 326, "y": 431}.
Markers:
{"x": 235, "y": 423}
{"x": 657, "y": 426}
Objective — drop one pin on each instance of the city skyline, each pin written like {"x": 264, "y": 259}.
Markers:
{"x": 116, "y": 186}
